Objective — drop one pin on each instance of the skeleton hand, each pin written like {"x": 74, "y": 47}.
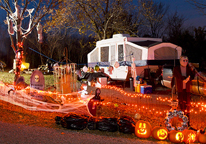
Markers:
{"x": 187, "y": 79}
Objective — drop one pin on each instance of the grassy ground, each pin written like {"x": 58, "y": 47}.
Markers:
{"x": 8, "y": 78}
{"x": 14, "y": 114}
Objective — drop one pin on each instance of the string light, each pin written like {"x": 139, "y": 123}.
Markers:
{"x": 200, "y": 106}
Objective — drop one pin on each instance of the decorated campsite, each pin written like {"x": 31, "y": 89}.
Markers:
{"x": 144, "y": 87}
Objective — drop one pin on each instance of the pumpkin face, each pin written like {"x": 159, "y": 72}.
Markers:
{"x": 159, "y": 133}
{"x": 190, "y": 136}
{"x": 176, "y": 136}
{"x": 143, "y": 129}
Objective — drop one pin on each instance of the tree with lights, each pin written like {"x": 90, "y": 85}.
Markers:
{"x": 17, "y": 11}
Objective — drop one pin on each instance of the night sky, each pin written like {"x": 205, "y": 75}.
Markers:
{"x": 193, "y": 17}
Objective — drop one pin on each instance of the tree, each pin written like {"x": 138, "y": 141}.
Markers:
{"x": 174, "y": 27}
{"x": 15, "y": 17}
{"x": 200, "y": 5}
{"x": 153, "y": 14}
{"x": 102, "y": 17}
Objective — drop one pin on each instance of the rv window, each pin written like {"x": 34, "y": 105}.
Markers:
{"x": 120, "y": 53}
{"x": 104, "y": 54}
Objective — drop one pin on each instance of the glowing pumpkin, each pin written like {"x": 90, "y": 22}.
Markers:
{"x": 176, "y": 136}
{"x": 143, "y": 129}
{"x": 190, "y": 136}
{"x": 159, "y": 133}
{"x": 201, "y": 136}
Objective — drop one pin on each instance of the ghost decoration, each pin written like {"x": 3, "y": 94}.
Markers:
{"x": 10, "y": 26}
{"x": 39, "y": 31}
{"x": 84, "y": 91}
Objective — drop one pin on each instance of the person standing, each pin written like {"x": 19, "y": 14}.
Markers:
{"x": 133, "y": 71}
{"x": 182, "y": 76}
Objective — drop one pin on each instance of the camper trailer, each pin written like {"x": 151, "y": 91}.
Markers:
{"x": 121, "y": 48}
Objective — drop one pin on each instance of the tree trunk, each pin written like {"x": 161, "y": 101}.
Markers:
{"x": 19, "y": 52}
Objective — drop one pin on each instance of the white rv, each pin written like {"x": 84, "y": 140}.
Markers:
{"x": 148, "y": 54}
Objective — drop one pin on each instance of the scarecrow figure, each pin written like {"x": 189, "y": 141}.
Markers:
{"x": 182, "y": 77}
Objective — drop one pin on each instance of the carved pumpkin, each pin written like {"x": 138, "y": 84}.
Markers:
{"x": 176, "y": 136}
{"x": 190, "y": 136}
{"x": 159, "y": 133}
{"x": 143, "y": 129}
{"x": 201, "y": 136}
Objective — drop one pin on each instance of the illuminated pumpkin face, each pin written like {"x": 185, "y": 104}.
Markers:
{"x": 162, "y": 134}
{"x": 143, "y": 129}
{"x": 190, "y": 136}
{"x": 176, "y": 136}
{"x": 179, "y": 136}
{"x": 159, "y": 133}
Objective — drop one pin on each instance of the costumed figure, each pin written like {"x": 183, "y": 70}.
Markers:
{"x": 182, "y": 77}
{"x": 133, "y": 71}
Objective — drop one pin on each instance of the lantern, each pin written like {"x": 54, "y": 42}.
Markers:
{"x": 201, "y": 136}
{"x": 159, "y": 133}
{"x": 176, "y": 136}
{"x": 143, "y": 129}
{"x": 190, "y": 136}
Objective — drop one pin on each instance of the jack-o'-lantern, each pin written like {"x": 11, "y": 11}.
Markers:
{"x": 176, "y": 136}
{"x": 159, "y": 133}
{"x": 143, "y": 129}
{"x": 190, "y": 136}
{"x": 201, "y": 136}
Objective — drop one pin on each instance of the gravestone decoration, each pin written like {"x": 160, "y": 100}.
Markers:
{"x": 20, "y": 79}
{"x": 20, "y": 83}
{"x": 37, "y": 80}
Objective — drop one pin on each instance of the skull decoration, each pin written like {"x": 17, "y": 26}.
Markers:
{"x": 173, "y": 116}
{"x": 170, "y": 115}
{"x": 167, "y": 120}
{"x": 36, "y": 77}
{"x": 180, "y": 114}
{"x": 180, "y": 128}
{"x": 185, "y": 119}
{"x": 174, "y": 112}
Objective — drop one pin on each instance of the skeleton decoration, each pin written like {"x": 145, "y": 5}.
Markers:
{"x": 175, "y": 113}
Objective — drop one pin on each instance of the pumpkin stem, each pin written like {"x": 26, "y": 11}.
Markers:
{"x": 204, "y": 130}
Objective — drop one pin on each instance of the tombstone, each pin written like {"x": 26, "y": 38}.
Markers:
{"x": 20, "y": 83}
{"x": 37, "y": 80}
{"x": 20, "y": 79}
